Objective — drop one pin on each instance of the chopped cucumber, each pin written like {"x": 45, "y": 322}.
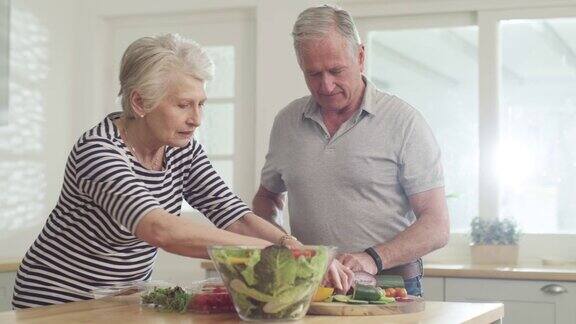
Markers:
{"x": 368, "y": 293}
{"x": 357, "y": 302}
{"x": 382, "y": 301}
{"x": 240, "y": 287}
{"x": 389, "y": 281}
{"x": 340, "y": 298}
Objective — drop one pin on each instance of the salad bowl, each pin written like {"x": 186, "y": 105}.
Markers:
{"x": 272, "y": 283}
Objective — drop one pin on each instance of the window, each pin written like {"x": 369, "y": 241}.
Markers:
{"x": 435, "y": 70}
{"x": 217, "y": 130}
{"x": 536, "y": 158}
{"x": 4, "y": 62}
{"x": 23, "y": 127}
{"x": 497, "y": 88}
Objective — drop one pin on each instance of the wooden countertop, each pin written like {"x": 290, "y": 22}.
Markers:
{"x": 9, "y": 265}
{"x": 466, "y": 270}
{"x": 127, "y": 309}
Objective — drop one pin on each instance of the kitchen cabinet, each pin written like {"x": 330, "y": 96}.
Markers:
{"x": 433, "y": 289}
{"x": 6, "y": 288}
{"x": 525, "y": 301}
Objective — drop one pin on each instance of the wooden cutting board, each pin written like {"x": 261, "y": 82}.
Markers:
{"x": 342, "y": 309}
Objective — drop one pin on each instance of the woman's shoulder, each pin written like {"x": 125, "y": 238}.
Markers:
{"x": 104, "y": 133}
{"x": 185, "y": 153}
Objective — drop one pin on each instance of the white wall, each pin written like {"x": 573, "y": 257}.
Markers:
{"x": 75, "y": 96}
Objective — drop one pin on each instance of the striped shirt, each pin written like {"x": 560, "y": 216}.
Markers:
{"x": 88, "y": 241}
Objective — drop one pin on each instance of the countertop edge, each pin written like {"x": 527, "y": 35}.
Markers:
{"x": 9, "y": 265}
{"x": 466, "y": 270}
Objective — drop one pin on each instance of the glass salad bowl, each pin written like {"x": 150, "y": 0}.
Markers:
{"x": 272, "y": 283}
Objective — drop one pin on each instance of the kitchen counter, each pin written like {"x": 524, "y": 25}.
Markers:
{"x": 517, "y": 272}
{"x": 454, "y": 270}
{"x": 467, "y": 270}
{"x": 9, "y": 265}
{"x": 127, "y": 309}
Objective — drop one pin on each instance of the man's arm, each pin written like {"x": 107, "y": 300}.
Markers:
{"x": 430, "y": 232}
{"x": 267, "y": 204}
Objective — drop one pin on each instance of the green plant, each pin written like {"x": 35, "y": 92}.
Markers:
{"x": 494, "y": 232}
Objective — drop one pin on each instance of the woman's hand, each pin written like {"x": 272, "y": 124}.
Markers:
{"x": 338, "y": 276}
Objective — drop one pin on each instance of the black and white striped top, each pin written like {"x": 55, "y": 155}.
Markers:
{"x": 88, "y": 240}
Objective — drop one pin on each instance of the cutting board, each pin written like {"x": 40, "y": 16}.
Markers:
{"x": 342, "y": 309}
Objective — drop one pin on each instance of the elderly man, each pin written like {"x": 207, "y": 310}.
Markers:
{"x": 361, "y": 167}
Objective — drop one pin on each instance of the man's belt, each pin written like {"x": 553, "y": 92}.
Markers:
{"x": 407, "y": 271}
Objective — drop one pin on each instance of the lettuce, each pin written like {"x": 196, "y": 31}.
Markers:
{"x": 270, "y": 283}
{"x": 276, "y": 270}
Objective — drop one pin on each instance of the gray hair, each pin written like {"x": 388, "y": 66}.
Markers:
{"x": 318, "y": 22}
{"x": 149, "y": 61}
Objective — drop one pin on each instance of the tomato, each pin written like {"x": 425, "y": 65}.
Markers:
{"x": 306, "y": 253}
{"x": 390, "y": 292}
{"x": 211, "y": 303}
{"x": 401, "y": 292}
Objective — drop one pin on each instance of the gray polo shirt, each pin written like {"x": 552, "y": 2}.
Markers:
{"x": 351, "y": 190}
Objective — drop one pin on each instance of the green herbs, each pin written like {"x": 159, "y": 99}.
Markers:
{"x": 494, "y": 232}
{"x": 272, "y": 283}
{"x": 169, "y": 299}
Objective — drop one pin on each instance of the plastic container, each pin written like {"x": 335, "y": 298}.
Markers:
{"x": 212, "y": 297}
{"x": 204, "y": 297}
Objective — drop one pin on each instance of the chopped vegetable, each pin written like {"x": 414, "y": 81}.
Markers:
{"x": 211, "y": 299}
{"x": 366, "y": 292}
{"x": 322, "y": 294}
{"x": 389, "y": 281}
{"x": 271, "y": 283}
{"x": 357, "y": 301}
{"x": 169, "y": 299}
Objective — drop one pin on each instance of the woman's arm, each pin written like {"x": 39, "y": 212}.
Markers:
{"x": 185, "y": 237}
{"x": 254, "y": 225}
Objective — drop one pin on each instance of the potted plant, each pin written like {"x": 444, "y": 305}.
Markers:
{"x": 494, "y": 241}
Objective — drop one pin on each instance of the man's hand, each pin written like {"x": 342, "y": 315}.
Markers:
{"x": 358, "y": 262}
{"x": 339, "y": 277}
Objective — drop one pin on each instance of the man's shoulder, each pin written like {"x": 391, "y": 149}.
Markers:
{"x": 392, "y": 105}
{"x": 295, "y": 108}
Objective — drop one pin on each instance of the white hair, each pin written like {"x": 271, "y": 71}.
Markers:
{"x": 149, "y": 61}
{"x": 319, "y": 22}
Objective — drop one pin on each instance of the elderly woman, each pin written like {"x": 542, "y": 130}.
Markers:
{"x": 124, "y": 184}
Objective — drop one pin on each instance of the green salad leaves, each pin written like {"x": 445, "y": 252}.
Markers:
{"x": 272, "y": 283}
{"x": 168, "y": 299}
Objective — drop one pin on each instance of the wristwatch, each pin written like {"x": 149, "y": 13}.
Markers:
{"x": 376, "y": 257}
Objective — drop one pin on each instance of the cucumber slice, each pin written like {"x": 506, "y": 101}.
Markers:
{"x": 340, "y": 298}
{"x": 357, "y": 302}
{"x": 382, "y": 301}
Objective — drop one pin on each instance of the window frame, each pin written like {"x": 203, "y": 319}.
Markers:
{"x": 489, "y": 83}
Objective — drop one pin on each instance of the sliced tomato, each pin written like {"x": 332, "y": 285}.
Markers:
{"x": 306, "y": 253}
{"x": 401, "y": 292}
{"x": 390, "y": 292}
{"x": 211, "y": 303}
